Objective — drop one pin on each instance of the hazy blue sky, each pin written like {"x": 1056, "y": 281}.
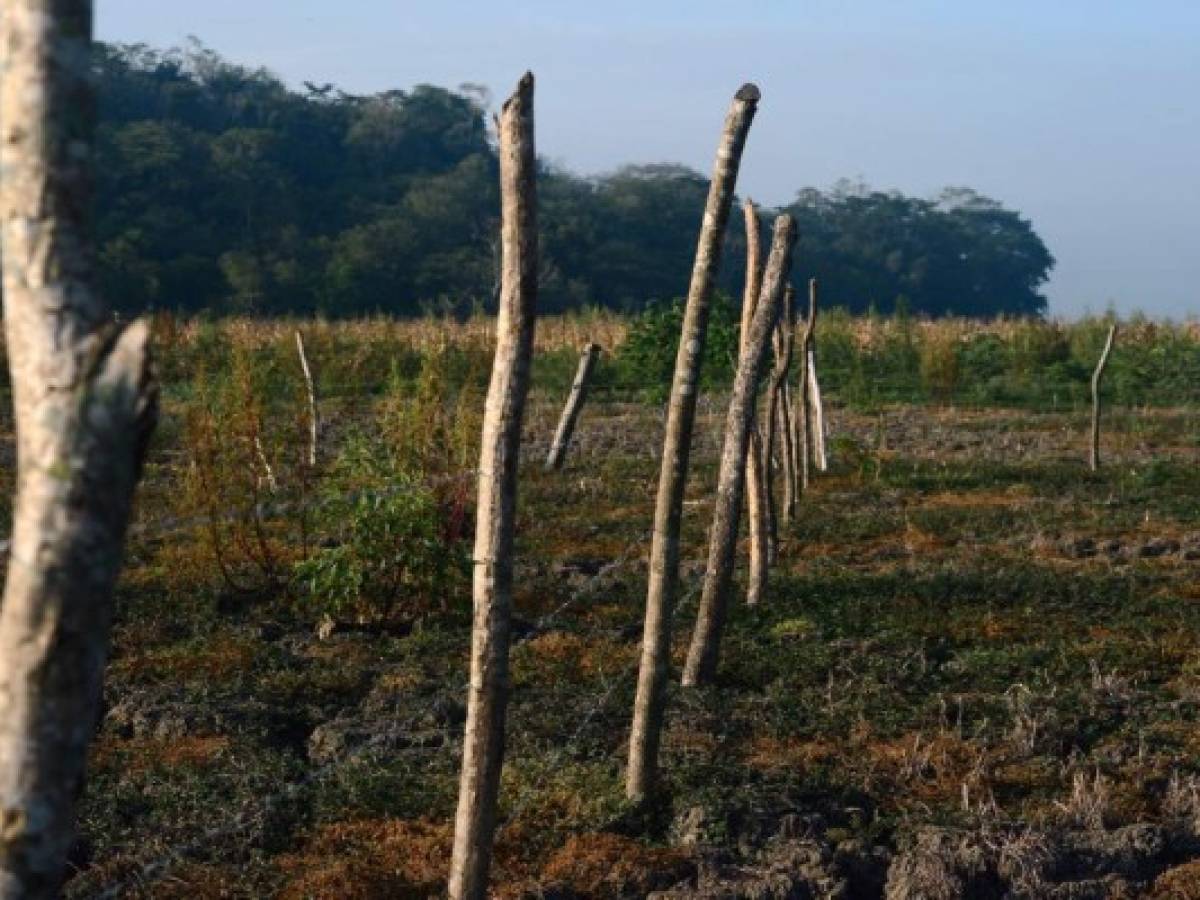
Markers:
{"x": 1082, "y": 114}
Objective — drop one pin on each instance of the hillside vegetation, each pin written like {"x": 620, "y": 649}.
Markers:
{"x": 222, "y": 189}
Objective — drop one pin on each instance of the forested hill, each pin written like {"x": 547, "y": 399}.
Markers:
{"x": 222, "y": 189}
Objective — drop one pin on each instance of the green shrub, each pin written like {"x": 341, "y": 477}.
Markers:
{"x": 646, "y": 360}
{"x": 392, "y": 557}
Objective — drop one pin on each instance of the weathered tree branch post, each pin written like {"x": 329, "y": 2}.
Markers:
{"x": 757, "y": 505}
{"x": 314, "y": 423}
{"x": 483, "y": 739}
{"x": 84, "y": 397}
{"x": 701, "y": 662}
{"x": 754, "y": 265}
{"x": 781, "y": 432}
{"x": 817, "y": 405}
{"x": 681, "y": 413}
{"x": 1094, "y": 457}
{"x": 804, "y": 414}
{"x": 570, "y": 413}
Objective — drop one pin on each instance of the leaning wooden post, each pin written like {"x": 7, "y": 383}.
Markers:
{"x": 754, "y": 264}
{"x": 757, "y": 506}
{"x": 570, "y": 413}
{"x": 817, "y": 406}
{"x": 314, "y": 424}
{"x": 1094, "y": 458}
{"x": 84, "y": 398}
{"x": 681, "y": 412}
{"x": 483, "y": 740}
{"x": 784, "y": 333}
{"x": 804, "y": 414}
{"x": 701, "y": 662}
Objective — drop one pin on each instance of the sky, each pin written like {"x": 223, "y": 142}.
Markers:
{"x": 1084, "y": 115}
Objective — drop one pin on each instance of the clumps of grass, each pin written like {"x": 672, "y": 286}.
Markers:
{"x": 559, "y": 656}
{"x": 992, "y": 859}
{"x": 217, "y": 659}
{"x": 1088, "y": 803}
{"x": 139, "y": 755}
{"x": 1181, "y": 800}
{"x": 771, "y": 754}
{"x": 794, "y": 628}
{"x": 609, "y": 865}
{"x": 375, "y": 859}
{"x": 1030, "y": 715}
{"x": 1178, "y": 883}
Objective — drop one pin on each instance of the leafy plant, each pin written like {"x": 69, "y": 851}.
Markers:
{"x": 647, "y": 357}
{"x": 390, "y": 558}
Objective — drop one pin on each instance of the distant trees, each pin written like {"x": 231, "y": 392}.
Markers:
{"x": 961, "y": 253}
{"x": 221, "y": 188}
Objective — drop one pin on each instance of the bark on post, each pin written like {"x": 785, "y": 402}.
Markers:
{"x": 570, "y": 413}
{"x": 701, "y": 662}
{"x": 757, "y": 506}
{"x": 314, "y": 424}
{"x": 754, "y": 272}
{"x": 804, "y": 414}
{"x": 818, "y": 414}
{"x": 1094, "y": 457}
{"x": 483, "y": 740}
{"x": 779, "y": 407}
{"x": 84, "y": 399}
{"x": 681, "y": 412}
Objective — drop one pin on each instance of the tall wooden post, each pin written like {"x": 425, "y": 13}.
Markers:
{"x": 314, "y": 424}
{"x": 570, "y": 413}
{"x": 757, "y": 505}
{"x": 754, "y": 264}
{"x": 681, "y": 412}
{"x": 483, "y": 740}
{"x": 778, "y": 398}
{"x": 85, "y": 398}
{"x": 804, "y": 398}
{"x": 1094, "y": 456}
{"x": 701, "y": 662}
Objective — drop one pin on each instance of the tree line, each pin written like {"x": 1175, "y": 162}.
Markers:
{"x": 221, "y": 189}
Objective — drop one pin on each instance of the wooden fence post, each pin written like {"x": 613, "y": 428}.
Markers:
{"x": 804, "y": 414}
{"x": 85, "y": 400}
{"x": 570, "y": 413}
{"x": 681, "y": 412}
{"x": 1094, "y": 458}
{"x": 781, "y": 415}
{"x": 487, "y": 697}
{"x": 757, "y": 505}
{"x": 701, "y": 662}
{"x": 314, "y": 424}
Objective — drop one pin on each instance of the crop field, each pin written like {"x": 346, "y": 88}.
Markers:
{"x": 976, "y": 671}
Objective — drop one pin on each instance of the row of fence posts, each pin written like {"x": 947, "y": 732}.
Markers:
{"x": 786, "y": 431}
{"x": 795, "y": 437}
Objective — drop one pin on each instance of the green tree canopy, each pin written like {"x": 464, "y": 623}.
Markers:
{"x": 220, "y": 188}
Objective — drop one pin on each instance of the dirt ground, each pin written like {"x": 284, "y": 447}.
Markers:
{"x": 977, "y": 674}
